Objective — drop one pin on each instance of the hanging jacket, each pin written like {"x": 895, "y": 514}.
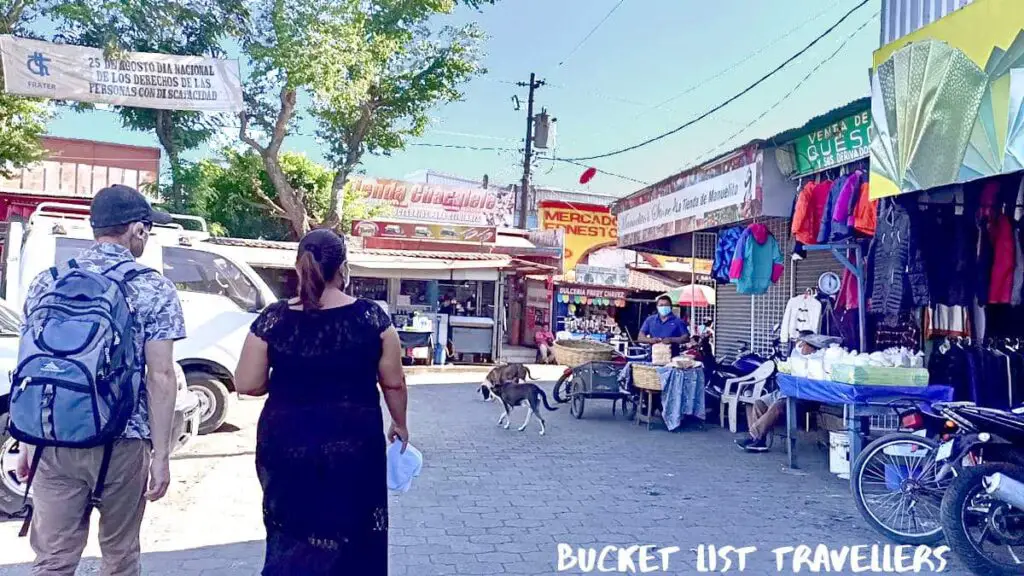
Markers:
{"x": 803, "y": 313}
{"x": 825, "y": 229}
{"x": 757, "y": 263}
{"x": 865, "y": 213}
{"x": 810, "y": 206}
{"x": 1000, "y": 289}
{"x": 724, "y": 251}
{"x": 899, "y": 278}
{"x": 842, "y": 214}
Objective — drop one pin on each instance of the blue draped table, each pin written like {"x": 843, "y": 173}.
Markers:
{"x": 851, "y": 397}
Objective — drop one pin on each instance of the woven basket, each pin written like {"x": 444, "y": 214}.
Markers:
{"x": 645, "y": 377}
{"x": 575, "y": 353}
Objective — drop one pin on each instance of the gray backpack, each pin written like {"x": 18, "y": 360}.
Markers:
{"x": 78, "y": 378}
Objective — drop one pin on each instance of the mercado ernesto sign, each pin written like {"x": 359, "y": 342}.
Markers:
{"x": 416, "y": 202}
{"x": 725, "y": 191}
{"x": 587, "y": 227}
{"x": 137, "y": 79}
{"x": 947, "y": 101}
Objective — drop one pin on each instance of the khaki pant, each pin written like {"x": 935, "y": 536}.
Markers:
{"x": 545, "y": 354}
{"x": 761, "y": 417}
{"x": 61, "y": 489}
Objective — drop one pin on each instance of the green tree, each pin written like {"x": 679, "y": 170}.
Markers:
{"x": 371, "y": 69}
{"x": 22, "y": 120}
{"x": 237, "y": 198}
{"x": 181, "y": 27}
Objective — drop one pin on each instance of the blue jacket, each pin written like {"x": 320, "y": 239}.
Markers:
{"x": 758, "y": 261}
{"x": 724, "y": 251}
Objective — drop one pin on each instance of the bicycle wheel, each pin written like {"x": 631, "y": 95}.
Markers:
{"x": 895, "y": 489}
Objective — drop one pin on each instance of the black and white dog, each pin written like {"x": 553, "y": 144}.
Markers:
{"x": 512, "y": 394}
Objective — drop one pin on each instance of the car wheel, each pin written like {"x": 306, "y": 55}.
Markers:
{"x": 213, "y": 400}
{"x": 12, "y": 491}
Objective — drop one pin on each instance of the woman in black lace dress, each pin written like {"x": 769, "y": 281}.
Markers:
{"x": 320, "y": 445}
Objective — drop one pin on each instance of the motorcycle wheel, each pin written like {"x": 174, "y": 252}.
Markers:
{"x": 886, "y": 487}
{"x": 562, "y": 388}
{"x": 971, "y": 519}
{"x": 628, "y": 408}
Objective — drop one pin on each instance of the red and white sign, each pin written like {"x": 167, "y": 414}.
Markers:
{"x": 439, "y": 204}
{"x": 416, "y": 231}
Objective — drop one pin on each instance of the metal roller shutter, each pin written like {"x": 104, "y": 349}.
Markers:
{"x": 814, "y": 265}
{"x": 732, "y": 325}
{"x": 770, "y": 306}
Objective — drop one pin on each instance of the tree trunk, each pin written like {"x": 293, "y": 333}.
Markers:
{"x": 292, "y": 202}
{"x": 353, "y": 154}
{"x": 165, "y": 134}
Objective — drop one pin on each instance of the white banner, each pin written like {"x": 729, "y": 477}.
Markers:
{"x": 728, "y": 189}
{"x": 601, "y": 276}
{"x": 142, "y": 80}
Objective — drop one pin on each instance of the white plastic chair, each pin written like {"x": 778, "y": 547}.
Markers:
{"x": 743, "y": 389}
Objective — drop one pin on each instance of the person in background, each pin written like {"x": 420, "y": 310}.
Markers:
{"x": 139, "y": 468}
{"x": 706, "y": 331}
{"x": 664, "y": 327}
{"x": 545, "y": 340}
{"x": 324, "y": 359}
{"x": 470, "y": 306}
{"x": 767, "y": 411}
{"x": 449, "y": 304}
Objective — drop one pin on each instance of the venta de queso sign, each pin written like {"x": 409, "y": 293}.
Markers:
{"x": 839, "y": 143}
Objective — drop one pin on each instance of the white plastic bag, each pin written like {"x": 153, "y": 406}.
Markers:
{"x": 402, "y": 468}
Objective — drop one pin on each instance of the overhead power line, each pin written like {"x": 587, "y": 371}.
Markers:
{"x": 730, "y": 100}
{"x": 591, "y": 33}
{"x": 715, "y": 151}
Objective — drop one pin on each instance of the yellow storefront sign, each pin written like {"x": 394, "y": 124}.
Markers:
{"x": 588, "y": 227}
{"x": 947, "y": 102}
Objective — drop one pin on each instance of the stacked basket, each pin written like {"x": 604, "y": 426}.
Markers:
{"x": 575, "y": 353}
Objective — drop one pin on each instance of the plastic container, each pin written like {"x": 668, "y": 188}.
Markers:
{"x": 839, "y": 454}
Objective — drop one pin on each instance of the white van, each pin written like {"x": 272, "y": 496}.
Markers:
{"x": 220, "y": 296}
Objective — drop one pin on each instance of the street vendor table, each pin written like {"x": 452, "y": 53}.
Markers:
{"x": 412, "y": 340}
{"x": 851, "y": 397}
{"x": 681, "y": 391}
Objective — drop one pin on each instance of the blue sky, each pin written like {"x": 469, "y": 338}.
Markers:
{"x": 607, "y": 94}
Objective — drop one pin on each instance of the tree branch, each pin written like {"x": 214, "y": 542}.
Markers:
{"x": 243, "y": 134}
{"x": 11, "y": 17}
{"x": 269, "y": 204}
{"x": 283, "y": 117}
{"x": 353, "y": 153}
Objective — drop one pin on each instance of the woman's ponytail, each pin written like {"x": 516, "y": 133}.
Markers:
{"x": 311, "y": 281}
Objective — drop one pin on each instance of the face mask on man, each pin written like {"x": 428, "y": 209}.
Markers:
{"x": 664, "y": 311}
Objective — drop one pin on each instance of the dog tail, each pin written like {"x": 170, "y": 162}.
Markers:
{"x": 528, "y": 375}
{"x": 544, "y": 397}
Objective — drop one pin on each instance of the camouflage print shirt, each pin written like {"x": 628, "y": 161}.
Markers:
{"x": 158, "y": 314}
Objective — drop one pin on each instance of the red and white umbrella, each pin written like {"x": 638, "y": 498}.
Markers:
{"x": 696, "y": 295}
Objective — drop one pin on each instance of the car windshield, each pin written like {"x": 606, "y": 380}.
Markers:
{"x": 10, "y": 320}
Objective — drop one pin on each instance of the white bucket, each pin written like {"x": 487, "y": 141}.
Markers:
{"x": 839, "y": 453}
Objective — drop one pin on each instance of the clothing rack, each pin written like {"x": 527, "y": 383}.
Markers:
{"x": 839, "y": 250}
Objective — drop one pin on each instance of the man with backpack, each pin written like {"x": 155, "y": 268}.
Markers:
{"x": 94, "y": 390}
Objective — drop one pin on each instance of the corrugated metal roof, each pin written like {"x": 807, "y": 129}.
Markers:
{"x": 650, "y": 282}
{"x": 823, "y": 120}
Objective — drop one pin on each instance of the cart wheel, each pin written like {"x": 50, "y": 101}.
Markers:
{"x": 576, "y": 408}
{"x": 563, "y": 388}
{"x": 628, "y": 406}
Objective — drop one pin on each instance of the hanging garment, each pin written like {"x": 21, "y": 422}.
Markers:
{"x": 899, "y": 279}
{"x": 842, "y": 215}
{"x": 948, "y": 365}
{"x": 802, "y": 313}
{"x": 825, "y": 229}
{"x": 865, "y": 213}
{"x": 810, "y": 206}
{"x": 963, "y": 263}
{"x": 942, "y": 320}
{"x": 1017, "y": 293}
{"x": 724, "y": 251}
{"x": 757, "y": 263}
{"x": 903, "y": 332}
{"x": 1001, "y": 233}
{"x": 995, "y": 387}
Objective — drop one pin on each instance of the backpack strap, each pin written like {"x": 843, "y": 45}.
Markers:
{"x": 101, "y": 479}
{"x": 37, "y": 455}
{"x": 116, "y": 274}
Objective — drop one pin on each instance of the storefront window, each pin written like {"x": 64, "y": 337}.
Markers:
{"x": 468, "y": 298}
{"x": 416, "y": 291}
{"x": 371, "y": 288}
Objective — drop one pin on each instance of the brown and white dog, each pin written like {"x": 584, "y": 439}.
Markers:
{"x": 514, "y": 372}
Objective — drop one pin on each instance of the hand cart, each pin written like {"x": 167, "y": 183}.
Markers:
{"x": 598, "y": 380}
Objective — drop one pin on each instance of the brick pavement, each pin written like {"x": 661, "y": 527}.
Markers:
{"x": 493, "y": 501}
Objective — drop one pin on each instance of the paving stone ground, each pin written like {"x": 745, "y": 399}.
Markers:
{"x": 493, "y": 501}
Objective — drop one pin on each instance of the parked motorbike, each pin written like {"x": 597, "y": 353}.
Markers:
{"x": 894, "y": 479}
{"x": 983, "y": 508}
{"x": 745, "y": 363}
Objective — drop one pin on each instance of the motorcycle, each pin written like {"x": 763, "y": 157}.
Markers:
{"x": 983, "y": 509}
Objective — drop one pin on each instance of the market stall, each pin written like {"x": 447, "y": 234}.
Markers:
{"x": 588, "y": 312}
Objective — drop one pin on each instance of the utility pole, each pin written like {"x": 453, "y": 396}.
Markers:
{"x": 524, "y": 192}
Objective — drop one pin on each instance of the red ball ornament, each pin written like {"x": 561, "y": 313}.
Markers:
{"x": 588, "y": 175}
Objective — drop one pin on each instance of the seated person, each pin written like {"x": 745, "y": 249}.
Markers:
{"x": 545, "y": 340}
{"x": 767, "y": 411}
{"x": 664, "y": 327}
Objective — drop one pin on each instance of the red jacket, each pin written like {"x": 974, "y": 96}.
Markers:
{"x": 810, "y": 205}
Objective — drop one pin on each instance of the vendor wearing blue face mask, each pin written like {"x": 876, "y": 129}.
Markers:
{"x": 664, "y": 327}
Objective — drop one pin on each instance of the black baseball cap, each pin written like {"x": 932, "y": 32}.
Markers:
{"x": 118, "y": 204}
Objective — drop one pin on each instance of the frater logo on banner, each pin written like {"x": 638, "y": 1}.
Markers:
{"x": 138, "y": 79}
